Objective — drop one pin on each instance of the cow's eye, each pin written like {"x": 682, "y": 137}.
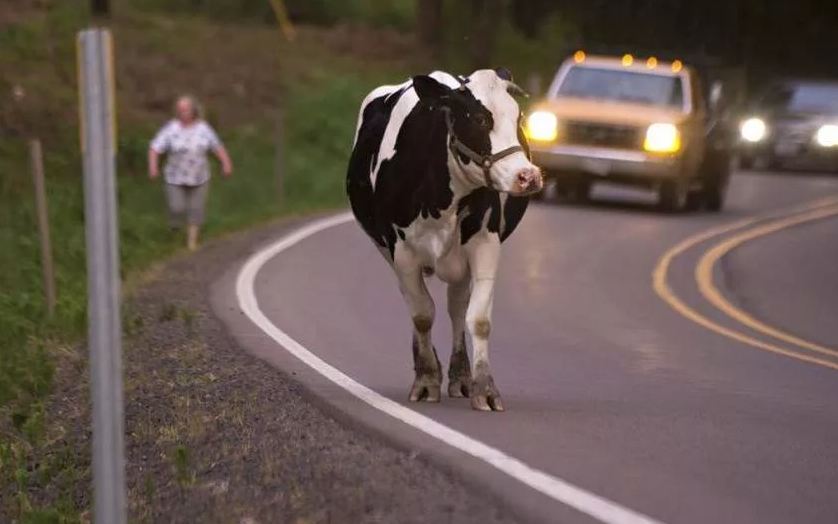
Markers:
{"x": 481, "y": 121}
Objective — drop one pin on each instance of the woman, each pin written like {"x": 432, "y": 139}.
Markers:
{"x": 187, "y": 139}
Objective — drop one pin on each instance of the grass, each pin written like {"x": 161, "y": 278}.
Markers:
{"x": 393, "y": 13}
{"x": 242, "y": 71}
{"x": 236, "y": 70}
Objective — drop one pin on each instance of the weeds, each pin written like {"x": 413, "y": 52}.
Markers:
{"x": 132, "y": 323}
{"x": 183, "y": 472}
{"x": 322, "y": 90}
{"x": 168, "y": 313}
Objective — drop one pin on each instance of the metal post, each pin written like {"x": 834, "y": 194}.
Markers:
{"x": 36, "y": 157}
{"x": 104, "y": 329}
{"x": 288, "y": 31}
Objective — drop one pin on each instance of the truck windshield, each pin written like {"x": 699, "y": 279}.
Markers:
{"x": 623, "y": 86}
{"x": 816, "y": 99}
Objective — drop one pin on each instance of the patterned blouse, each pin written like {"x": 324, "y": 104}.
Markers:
{"x": 187, "y": 147}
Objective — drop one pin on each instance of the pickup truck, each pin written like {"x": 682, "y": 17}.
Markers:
{"x": 635, "y": 122}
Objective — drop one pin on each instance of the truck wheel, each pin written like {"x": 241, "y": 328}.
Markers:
{"x": 694, "y": 201}
{"x": 579, "y": 191}
{"x": 714, "y": 196}
{"x": 673, "y": 196}
{"x": 766, "y": 162}
{"x": 745, "y": 162}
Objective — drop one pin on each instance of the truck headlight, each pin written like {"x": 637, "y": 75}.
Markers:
{"x": 542, "y": 126}
{"x": 827, "y": 136}
{"x": 753, "y": 130}
{"x": 662, "y": 138}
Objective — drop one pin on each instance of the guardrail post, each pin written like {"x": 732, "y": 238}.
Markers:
{"x": 103, "y": 309}
{"x": 36, "y": 157}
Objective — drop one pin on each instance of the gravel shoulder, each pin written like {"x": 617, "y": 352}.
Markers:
{"x": 214, "y": 434}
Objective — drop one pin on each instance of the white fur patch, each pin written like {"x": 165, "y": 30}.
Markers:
{"x": 490, "y": 90}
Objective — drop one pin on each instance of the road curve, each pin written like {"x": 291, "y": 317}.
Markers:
{"x": 609, "y": 388}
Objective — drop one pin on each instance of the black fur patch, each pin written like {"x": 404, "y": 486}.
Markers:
{"x": 415, "y": 182}
{"x": 359, "y": 188}
{"x": 513, "y": 212}
{"x": 472, "y": 210}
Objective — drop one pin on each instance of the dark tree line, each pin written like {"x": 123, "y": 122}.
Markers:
{"x": 480, "y": 21}
{"x": 797, "y": 37}
{"x": 767, "y": 36}
{"x": 100, "y": 7}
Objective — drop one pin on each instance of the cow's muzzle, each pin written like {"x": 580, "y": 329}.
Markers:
{"x": 528, "y": 181}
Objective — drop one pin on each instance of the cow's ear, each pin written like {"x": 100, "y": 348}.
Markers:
{"x": 429, "y": 89}
{"x": 504, "y": 74}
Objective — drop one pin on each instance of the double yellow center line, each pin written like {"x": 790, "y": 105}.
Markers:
{"x": 751, "y": 228}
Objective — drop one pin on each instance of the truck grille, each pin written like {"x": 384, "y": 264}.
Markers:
{"x": 603, "y": 135}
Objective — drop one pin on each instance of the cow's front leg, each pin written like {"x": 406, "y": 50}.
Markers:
{"x": 484, "y": 254}
{"x": 459, "y": 369}
{"x": 426, "y": 386}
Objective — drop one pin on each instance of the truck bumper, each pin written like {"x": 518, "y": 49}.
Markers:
{"x": 798, "y": 155}
{"x": 603, "y": 162}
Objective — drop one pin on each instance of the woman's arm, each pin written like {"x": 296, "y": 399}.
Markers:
{"x": 159, "y": 145}
{"x": 153, "y": 163}
{"x": 223, "y": 157}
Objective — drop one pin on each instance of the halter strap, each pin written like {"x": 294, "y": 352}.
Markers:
{"x": 456, "y": 146}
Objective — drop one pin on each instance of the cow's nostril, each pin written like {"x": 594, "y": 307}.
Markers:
{"x": 528, "y": 177}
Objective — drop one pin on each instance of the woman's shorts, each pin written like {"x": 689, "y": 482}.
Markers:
{"x": 186, "y": 204}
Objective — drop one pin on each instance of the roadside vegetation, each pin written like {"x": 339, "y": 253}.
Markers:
{"x": 240, "y": 71}
{"x": 233, "y": 58}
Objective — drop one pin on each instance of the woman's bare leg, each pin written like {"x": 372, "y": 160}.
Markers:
{"x": 192, "y": 237}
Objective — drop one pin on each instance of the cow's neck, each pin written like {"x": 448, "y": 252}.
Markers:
{"x": 433, "y": 238}
{"x": 463, "y": 183}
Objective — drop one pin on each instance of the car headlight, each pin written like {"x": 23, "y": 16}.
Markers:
{"x": 753, "y": 130}
{"x": 827, "y": 136}
{"x": 662, "y": 138}
{"x": 543, "y": 126}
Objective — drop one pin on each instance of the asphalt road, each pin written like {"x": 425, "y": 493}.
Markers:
{"x": 607, "y": 385}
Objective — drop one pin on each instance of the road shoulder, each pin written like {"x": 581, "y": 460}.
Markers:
{"x": 257, "y": 445}
{"x": 216, "y": 435}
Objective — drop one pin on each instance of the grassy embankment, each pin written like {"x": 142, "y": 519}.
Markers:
{"x": 238, "y": 69}
{"x": 234, "y": 69}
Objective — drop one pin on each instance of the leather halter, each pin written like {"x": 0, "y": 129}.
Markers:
{"x": 456, "y": 146}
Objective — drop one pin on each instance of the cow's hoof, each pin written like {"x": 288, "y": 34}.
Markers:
{"x": 487, "y": 403}
{"x": 424, "y": 391}
{"x": 459, "y": 388}
{"x": 485, "y": 396}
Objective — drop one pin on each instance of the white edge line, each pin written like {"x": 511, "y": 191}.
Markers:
{"x": 560, "y": 490}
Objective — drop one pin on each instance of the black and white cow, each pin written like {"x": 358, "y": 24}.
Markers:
{"x": 439, "y": 176}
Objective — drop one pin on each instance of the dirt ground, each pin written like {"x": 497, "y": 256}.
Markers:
{"x": 215, "y": 435}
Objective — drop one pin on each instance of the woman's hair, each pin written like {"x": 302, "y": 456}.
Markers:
{"x": 197, "y": 107}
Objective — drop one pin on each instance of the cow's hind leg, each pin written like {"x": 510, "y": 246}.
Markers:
{"x": 459, "y": 369}
{"x": 426, "y": 386}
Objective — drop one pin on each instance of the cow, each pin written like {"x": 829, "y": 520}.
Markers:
{"x": 438, "y": 177}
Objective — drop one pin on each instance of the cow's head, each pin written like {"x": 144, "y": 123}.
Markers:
{"x": 485, "y": 118}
